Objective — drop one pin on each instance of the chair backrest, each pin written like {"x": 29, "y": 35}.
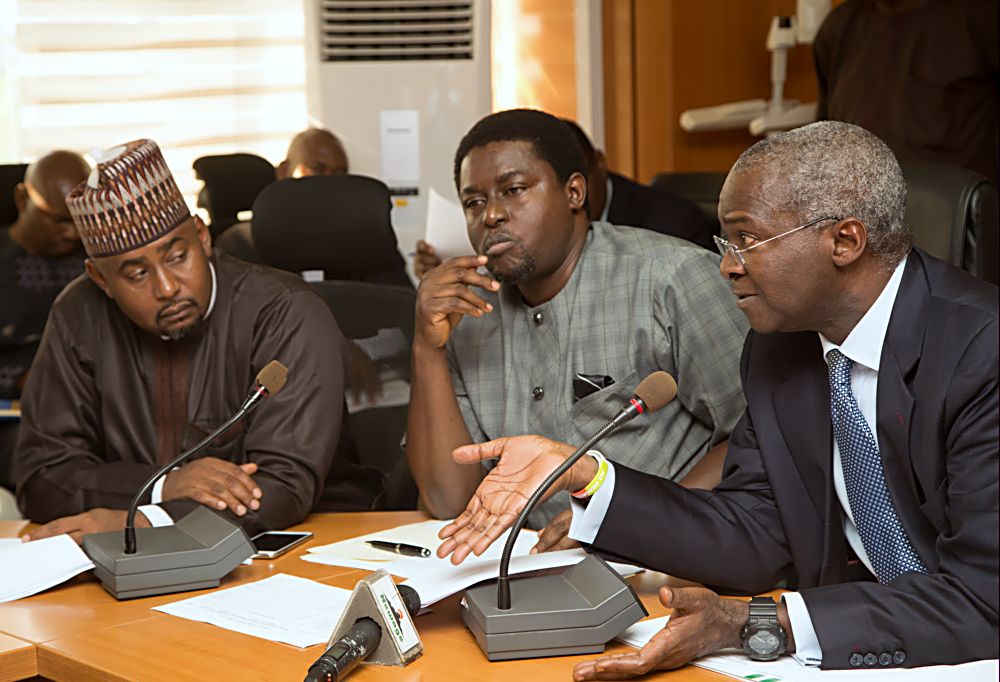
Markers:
{"x": 8, "y": 506}
{"x": 10, "y": 175}
{"x": 379, "y": 319}
{"x": 339, "y": 224}
{"x": 952, "y": 213}
{"x": 232, "y": 182}
{"x": 701, "y": 188}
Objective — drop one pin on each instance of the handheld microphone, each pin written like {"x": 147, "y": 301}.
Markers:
{"x": 575, "y": 612}
{"x": 653, "y": 392}
{"x": 270, "y": 381}
{"x": 356, "y": 644}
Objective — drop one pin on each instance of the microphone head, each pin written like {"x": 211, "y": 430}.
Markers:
{"x": 656, "y": 390}
{"x": 411, "y": 600}
{"x": 272, "y": 377}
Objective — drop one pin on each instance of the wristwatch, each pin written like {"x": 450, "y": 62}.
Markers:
{"x": 762, "y": 637}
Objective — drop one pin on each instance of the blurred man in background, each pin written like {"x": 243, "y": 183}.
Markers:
{"x": 39, "y": 255}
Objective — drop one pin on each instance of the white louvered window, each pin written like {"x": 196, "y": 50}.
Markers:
{"x": 377, "y": 30}
{"x": 198, "y": 76}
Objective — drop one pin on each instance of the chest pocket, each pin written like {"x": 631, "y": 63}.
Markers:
{"x": 592, "y": 412}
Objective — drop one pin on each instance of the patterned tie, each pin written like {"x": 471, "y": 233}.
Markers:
{"x": 881, "y": 532}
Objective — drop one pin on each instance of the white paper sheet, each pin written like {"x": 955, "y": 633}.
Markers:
{"x": 446, "y": 229}
{"x": 354, "y": 553}
{"x": 786, "y": 669}
{"x": 27, "y": 568}
{"x": 435, "y": 585}
{"x": 282, "y": 608}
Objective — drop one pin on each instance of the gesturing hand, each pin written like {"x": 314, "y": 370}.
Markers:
{"x": 701, "y": 624}
{"x": 524, "y": 463}
{"x": 215, "y": 483}
{"x": 94, "y": 521}
{"x": 445, "y": 295}
{"x": 555, "y": 535}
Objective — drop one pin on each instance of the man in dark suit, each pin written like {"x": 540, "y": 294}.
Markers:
{"x": 865, "y": 467}
{"x": 621, "y": 201}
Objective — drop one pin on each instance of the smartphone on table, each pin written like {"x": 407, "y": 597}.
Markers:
{"x": 274, "y": 543}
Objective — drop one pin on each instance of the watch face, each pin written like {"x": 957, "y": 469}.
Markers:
{"x": 763, "y": 643}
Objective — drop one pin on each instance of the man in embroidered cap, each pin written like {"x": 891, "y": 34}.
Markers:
{"x": 155, "y": 347}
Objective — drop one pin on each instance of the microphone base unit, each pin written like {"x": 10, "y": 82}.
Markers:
{"x": 576, "y": 612}
{"x": 193, "y": 554}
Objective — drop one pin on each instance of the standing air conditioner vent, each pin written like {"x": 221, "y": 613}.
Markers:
{"x": 395, "y": 30}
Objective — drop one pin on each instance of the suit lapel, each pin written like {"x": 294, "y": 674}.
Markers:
{"x": 901, "y": 351}
{"x": 800, "y": 400}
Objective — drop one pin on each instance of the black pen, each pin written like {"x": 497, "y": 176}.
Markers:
{"x": 400, "y": 548}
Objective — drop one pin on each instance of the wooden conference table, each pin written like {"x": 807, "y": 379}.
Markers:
{"x": 77, "y": 631}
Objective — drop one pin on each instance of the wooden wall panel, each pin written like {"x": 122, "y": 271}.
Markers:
{"x": 534, "y": 57}
{"x": 688, "y": 54}
{"x": 619, "y": 85}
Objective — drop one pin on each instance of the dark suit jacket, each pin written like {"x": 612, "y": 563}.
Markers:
{"x": 776, "y": 514}
{"x": 660, "y": 211}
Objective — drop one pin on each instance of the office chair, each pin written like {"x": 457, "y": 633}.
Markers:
{"x": 701, "y": 188}
{"x": 337, "y": 226}
{"x": 379, "y": 318}
{"x": 232, "y": 182}
{"x": 952, "y": 213}
{"x": 8, "y": 506}
{"x": 10, "y": 175}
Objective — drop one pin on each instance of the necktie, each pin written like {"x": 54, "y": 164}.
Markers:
{"x": 881, "y": 531}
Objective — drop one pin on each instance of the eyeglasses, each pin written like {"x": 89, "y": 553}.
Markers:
{"x": 727, "y": 248}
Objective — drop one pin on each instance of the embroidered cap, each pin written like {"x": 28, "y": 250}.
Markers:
{"x": 129, "y": 200}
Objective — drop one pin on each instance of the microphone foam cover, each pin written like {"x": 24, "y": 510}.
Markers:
{"x": 656, "y": 390}
{"x": 272, "y": 377}
{"x": 411, "y": 600}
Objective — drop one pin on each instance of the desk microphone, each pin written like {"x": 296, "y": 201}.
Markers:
{"x": 356, "y": 644}
{"x": 570, "y": 613}
{"x": 189, "y": 553}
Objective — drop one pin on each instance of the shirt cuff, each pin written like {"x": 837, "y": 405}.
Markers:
{"x": 156, "y": 496}
{"x": 588, "y": 515}
{"x": 156, "y": 515}
{"x": 807, "y": 649}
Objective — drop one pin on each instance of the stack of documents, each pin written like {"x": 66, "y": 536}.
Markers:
{"x": 27, "y": 568}
{"x": 434, "y": 578}
{"x": 786, "y": 669}
{"x": 282, "y": 608}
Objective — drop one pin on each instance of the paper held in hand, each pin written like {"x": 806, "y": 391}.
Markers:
{"x": 446, "y": 229}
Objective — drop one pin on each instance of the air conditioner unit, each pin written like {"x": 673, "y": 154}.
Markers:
{"x": 400, "y": 82}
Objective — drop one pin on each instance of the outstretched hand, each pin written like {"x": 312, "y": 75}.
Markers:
{"x": 701, "y": 624}
{"x": 524, "y": 463}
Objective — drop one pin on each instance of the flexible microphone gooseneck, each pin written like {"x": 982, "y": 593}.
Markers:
{"x": 653, "y": 392}
{"x": 269, "y": 381}
{"x": 356, "y": 644}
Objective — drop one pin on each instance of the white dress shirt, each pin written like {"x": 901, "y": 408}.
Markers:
{"x": 864, "y": 346}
